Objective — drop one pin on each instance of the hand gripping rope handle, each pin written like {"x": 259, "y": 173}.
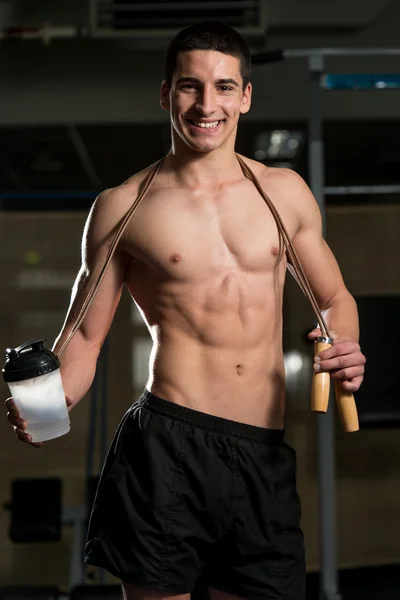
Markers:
{"x": 321, "y": 381}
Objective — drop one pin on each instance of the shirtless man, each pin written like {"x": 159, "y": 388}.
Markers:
{"x": 198, "y": 481}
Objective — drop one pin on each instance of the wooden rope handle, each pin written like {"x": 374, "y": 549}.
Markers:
{"x": 347, "y": 408}
{"x": 320, "y": 388}
{"x": 321, "y": 382}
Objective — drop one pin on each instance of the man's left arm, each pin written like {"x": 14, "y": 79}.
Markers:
{"x": 344, "y": 360}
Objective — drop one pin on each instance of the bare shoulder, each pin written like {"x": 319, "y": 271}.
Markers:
{"x": 116, "y": 199}
{"x": 288, "y": 186}
{"x": 286, "y": 178}
{"x": 112, "y": 204}
{"x": 293, "y": 187}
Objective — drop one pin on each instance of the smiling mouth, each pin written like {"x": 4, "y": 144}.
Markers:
{"x": 206, "y": 126}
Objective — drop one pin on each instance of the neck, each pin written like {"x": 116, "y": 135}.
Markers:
{"x": 194, "y": 168}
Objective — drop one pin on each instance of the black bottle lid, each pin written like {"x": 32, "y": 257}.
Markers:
{"x": 29, "y": 360}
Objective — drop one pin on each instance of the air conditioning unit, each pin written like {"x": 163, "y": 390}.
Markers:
{"x": 158, "y": 19}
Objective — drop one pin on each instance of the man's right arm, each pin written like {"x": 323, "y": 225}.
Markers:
{"x": 78, "y": 362}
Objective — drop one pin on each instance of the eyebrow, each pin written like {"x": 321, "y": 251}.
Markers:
{"x": 218, "y": 82}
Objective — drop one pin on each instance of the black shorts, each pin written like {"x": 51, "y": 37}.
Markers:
{"x": 186, "y": 497}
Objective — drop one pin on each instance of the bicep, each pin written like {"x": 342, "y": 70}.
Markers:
{"x": 98, "y": 318}
{"x": 319, "y": 265}
{"x": 318, "y": 261}
{"x": 96, "y": 240}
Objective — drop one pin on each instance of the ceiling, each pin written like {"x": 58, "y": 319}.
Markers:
{"x": 280, "y": 13}
{"x": 39, "y": 164}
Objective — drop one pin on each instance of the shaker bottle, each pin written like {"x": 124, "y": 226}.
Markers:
{"x": 32, "y": 373}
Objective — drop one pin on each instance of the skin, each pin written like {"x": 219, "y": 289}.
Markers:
{"x": 201, "y": 259}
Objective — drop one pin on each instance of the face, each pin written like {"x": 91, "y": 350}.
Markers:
{"x": 206, "y": 99}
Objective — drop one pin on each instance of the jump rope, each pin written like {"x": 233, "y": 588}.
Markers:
{"x": 320, "y": 387}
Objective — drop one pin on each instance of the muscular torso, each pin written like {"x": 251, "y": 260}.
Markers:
{"x": 207, "y": 272}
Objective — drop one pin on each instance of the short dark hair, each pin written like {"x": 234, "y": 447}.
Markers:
{"x": 209, "y": 35}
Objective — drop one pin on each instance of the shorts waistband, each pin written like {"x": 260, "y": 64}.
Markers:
{"x": 205, "y": 421}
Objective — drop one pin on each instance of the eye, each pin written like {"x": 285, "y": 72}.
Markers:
{"x": 188, "y": 86}
{"x": 225, "y": 88}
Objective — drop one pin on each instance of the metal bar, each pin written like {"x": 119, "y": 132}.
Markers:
{"x": 92, "y": 16}
{"x": 12, "y": 175}
{"x": 326, "y": 52}
{"x": 104, "y": 363}
{"x": 75, "y": 516}
{"x": 263, "y": 15}
{"x": 160, "y": 21}
{"x": 91, "y": 195}
{"x": 325, "y": 423}
{"x": 361, "y": 81}
{"x": 349, "y": 190}
{"x": 104, "y": 402}
{"x": 50, "y": 33}
{"x": 91, "y": 441}
{"x": 84, "y": 156}
{"x": 162, "y": 33}
{"x": 49, "y": 195}
{"x": 167, "y": 6}
{"x": 44, "y": 33}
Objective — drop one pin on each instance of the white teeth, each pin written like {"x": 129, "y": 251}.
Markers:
{"x": 206, "y": 125}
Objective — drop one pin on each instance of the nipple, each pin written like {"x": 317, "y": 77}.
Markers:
{"x": 275, "y": 251}
{"x": 176, "y": 258}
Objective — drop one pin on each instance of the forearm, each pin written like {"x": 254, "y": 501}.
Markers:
{"x": 78, "y": 365}
{"x": 341, "y": 316}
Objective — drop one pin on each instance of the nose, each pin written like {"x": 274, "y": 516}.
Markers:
{"x": 206, "y": 102}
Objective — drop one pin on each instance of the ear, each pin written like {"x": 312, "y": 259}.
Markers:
{"x": 164, "y": 96}
{"x": 246, "y": 100}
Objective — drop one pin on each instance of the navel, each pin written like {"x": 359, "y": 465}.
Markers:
{"x": 239, "y": 369}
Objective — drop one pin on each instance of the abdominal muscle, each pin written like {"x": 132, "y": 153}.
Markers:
{"x": 221, "y": 355}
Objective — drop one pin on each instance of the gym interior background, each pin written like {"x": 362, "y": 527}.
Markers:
{"x": 79, "y": 112}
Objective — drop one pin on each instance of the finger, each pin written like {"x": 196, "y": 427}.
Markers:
{"x": 339, "y": 362}
{"x": 348, "y": 374}
{"x": 12, "y": 407}
{"x": 16, "y": 421}
{"x": 26, "y": 438}
{"x": 22, "y": 435}
{"x": 339, "y": 349}
{"x": 314, "y": 334}
{"x": 352, "y": 385}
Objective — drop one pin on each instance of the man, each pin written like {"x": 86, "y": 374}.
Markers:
{"x": 198, "y": 481}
